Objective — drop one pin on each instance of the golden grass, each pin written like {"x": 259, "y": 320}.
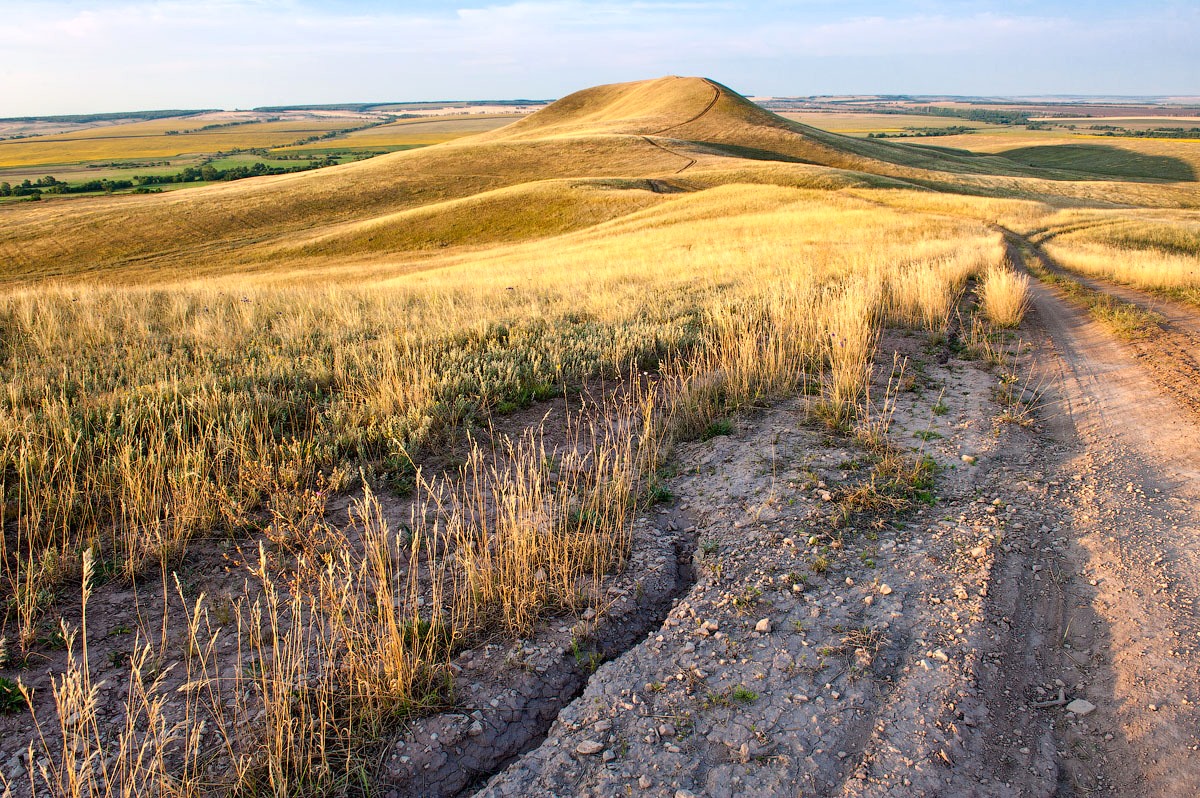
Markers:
{"x": 1141, "y": 268}
{"x": 415, "y": 132}
{"x": 241, "y": 226}
{"x": 317, "y": 334}
{"x": 1004, "y": 295}
{"x": 1151, "y": 250}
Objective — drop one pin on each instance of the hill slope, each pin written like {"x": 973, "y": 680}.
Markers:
{"x": 678, "y": 133}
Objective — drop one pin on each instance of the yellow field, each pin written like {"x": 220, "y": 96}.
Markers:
{"x": 417, "y": 132}
{"x": 851, "y": 123}
{"x": 149, "y": 140}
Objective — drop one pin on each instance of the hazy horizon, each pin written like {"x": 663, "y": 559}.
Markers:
{"x": 92, "y": 56}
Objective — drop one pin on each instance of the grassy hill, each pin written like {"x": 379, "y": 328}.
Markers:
{"x": 660, "y": 137}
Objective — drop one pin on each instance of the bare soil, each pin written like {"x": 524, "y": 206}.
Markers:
{"x": 1037, "y": 633}
{"x": 1030, "y": 631}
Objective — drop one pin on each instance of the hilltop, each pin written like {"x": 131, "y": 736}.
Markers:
{"x": 659, "y": 137}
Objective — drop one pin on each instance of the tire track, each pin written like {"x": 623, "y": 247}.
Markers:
{"x": 1126, "y": 461}
{"x": 711, "y": 104}
{"x": 1171, "y": 356}
{"x": 690, "y": 161}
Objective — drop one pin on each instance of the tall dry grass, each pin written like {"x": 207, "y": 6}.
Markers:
{"x": 1151, "y": 269}
{"x": 1004, "y": 295}
{"x": 137, "y": 418}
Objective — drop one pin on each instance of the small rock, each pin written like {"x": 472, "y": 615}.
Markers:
{"x": 608, "y": 756}
{"x": 763, "y": 626}
{"x": 960, "y": 593}
{"x": 1081, "y": 707}
{"x": 602, "y": 726}
{"x": 645, "y": 783}
{"x": 476, "y": 729}
{"x": 684, "y": 794}
{"x": 885, "y": 589}
{"x": 979, "y": 552}
{"x": 589, "y": 747}
{"x": 969, "y": 459}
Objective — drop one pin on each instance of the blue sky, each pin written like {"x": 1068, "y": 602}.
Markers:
{"x": 64, "y": 56}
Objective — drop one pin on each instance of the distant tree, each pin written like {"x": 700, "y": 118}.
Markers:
{"x": 5, "y": 189}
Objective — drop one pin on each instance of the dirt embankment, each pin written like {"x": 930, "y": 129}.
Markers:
{"x": 1033, "y": 633}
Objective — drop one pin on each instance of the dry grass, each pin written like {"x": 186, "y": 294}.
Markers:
{"x": 226, "y": 410}
{"x": 191, "y": 395}
{"x": 415, "y": 132}
{"x": 1004, "y": 295}
{"x": 1155, "y": 251}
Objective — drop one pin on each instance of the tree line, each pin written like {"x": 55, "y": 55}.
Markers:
{"x": 207, "y": 173}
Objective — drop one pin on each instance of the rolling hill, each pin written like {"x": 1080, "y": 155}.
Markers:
{"x": 587, "y": 158}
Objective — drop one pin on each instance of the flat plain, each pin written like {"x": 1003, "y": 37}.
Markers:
{"x": 649, "y": 443}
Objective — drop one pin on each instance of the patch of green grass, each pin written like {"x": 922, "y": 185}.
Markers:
{"x": 658, "y": 493}
{"x": 586, "y": 656}
{"x": 11, "y": 698}
{"x": 722, "y": 426}
{"x": 743, "y": 695}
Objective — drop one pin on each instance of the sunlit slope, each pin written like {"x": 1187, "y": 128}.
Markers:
{"x": 716, "y": 119}
{"x": 650, "y": 140}
{"x": 515, "y": 213}
{"x": 210, "y": 226}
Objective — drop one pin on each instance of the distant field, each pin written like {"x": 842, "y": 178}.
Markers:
{"x": 129, "y": 150}
{"x": 1131, "y": 122}
{"x": 150, "y": 140}
{"x": 854, "y": 124}
{"x": 1110, "y": 156}
{"x": 415, "y": 132}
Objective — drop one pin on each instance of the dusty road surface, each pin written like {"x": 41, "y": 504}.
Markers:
{"x": 1130, "y": 565}
{"x": 1032, "y": 633}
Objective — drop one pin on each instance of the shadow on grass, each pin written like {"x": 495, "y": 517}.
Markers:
{"x": 1103, "y": 161}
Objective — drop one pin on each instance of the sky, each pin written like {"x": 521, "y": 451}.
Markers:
{"x": 88, "y": 56}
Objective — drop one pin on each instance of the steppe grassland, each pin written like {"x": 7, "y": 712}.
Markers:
{"x": 138, "y": 417}
{"x": 862, "y": 123}
{"x": 1154, "y": 251}
{"x": 1184, "y": 153}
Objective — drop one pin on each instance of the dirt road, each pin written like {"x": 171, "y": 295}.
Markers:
{"x": 1119, "y": 620}
{"x": 1036, "y": 628}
